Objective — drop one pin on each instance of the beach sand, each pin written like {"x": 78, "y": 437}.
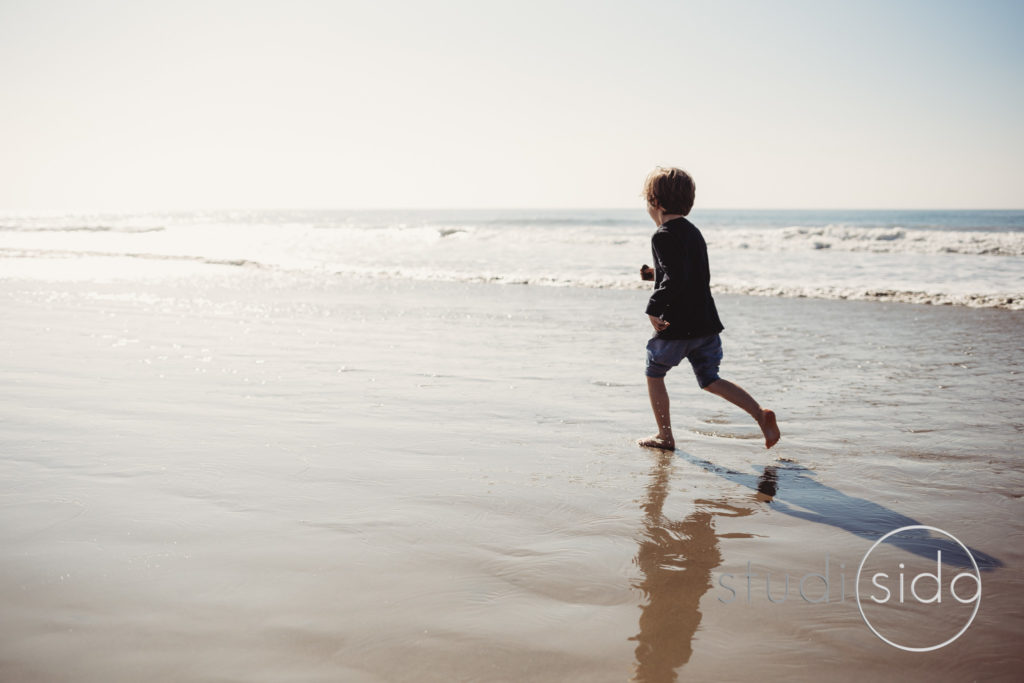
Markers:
{"x": 237, "y": 476}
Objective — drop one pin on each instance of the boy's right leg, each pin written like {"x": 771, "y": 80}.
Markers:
{"x": 659, "y": 404}
{"x": 735, "y": 394}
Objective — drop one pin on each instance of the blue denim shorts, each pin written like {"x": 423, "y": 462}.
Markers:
{"x": 704, "y": 354}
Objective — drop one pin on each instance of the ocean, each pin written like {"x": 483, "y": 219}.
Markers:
{"x": 972, "y": 258}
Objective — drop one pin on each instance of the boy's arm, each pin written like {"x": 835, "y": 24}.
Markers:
{"x": 668, "y": 252}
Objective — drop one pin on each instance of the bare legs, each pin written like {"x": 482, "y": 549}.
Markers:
{"x": 721, "y": 387}
{"x": 659, "y": 404}
{"x": 735, "y": 394}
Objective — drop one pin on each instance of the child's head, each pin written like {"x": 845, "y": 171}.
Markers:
{"x": 670, "y": 189}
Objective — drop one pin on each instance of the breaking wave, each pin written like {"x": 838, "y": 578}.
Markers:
{"x": 883, "y": 257}
{"x": 878, "y": 240}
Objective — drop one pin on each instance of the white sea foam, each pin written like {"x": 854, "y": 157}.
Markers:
{"x": 977, "y": 267}
{"x": 878, "y": 240}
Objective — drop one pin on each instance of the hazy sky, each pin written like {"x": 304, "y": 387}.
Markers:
{"x": 334, "y": 104}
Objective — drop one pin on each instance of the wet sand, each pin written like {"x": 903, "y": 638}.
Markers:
{"x": 242, "y": 477}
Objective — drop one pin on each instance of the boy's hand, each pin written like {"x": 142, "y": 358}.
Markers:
{"x": 658, "y": 323}
{"x": 646, "y": 272}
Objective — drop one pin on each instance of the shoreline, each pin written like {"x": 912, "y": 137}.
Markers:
{"x": 1004, "y": 301}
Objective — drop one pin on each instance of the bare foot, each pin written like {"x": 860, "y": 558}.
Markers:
{"x": 769, "y": 428}
{"x": 657, "y": 442}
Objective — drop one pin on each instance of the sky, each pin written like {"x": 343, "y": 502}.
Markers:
{"x": 317, "y": 104}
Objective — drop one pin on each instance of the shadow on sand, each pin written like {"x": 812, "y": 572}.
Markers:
{"x": 791, "y": 489}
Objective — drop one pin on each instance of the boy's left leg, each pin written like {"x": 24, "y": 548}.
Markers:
{"x": 660, "y": 405}
{"x": 662, "y": 356}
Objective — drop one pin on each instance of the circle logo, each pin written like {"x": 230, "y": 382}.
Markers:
{"x": 976, "y": 577}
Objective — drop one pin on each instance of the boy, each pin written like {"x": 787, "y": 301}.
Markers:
{"x": 681, "y": 309}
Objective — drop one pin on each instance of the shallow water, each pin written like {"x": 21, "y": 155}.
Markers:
{"x": 233, "y": 475}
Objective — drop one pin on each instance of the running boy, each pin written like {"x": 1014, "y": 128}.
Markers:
{"x": 681, "y": 309}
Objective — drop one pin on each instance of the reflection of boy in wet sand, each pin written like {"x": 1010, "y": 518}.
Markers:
{"x": 681, "y": 309}
{"x": 675, "y": 559}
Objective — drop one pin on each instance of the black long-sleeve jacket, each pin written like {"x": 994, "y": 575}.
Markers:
{"x": 682, "y": 289}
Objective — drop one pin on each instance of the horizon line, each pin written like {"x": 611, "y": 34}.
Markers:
{"x": 490, "y": 208}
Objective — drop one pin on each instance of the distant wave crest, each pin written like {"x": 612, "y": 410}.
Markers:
{"x": 79, "y": 228}
{"x": 879, "y": 240}
{"x": 69, "y": 253}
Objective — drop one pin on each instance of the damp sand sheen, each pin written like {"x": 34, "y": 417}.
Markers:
{"x": 214, "y": 472}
